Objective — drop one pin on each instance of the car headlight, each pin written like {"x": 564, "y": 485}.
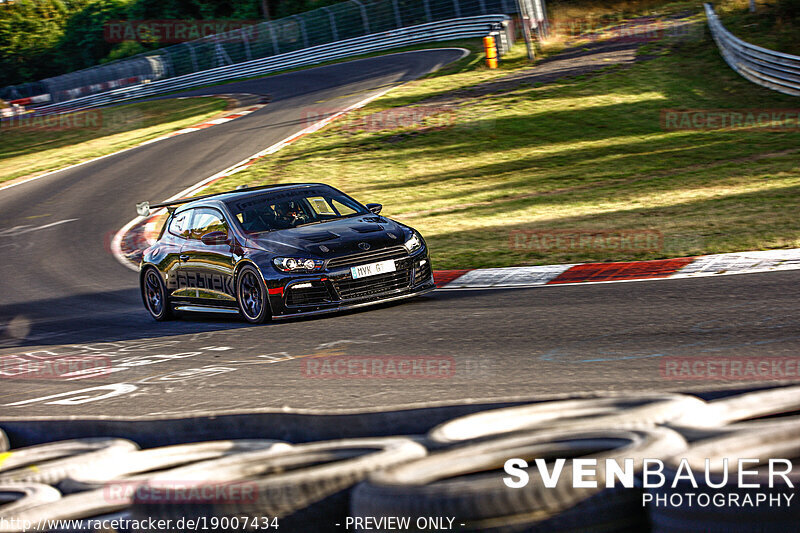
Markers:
{"x": 413, "y": 243}
{"x": 297, "y": 264}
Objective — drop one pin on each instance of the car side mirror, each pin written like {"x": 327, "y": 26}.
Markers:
{"x": 214, "y": 237}
{"x": 375, "y": 208}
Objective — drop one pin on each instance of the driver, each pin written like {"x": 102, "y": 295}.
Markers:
{"x": 287, "y": 213}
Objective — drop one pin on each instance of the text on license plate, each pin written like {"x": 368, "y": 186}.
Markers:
{"x": 372, "y": 269}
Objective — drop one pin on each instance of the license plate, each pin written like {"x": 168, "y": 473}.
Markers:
{"x": 373, "y": 269}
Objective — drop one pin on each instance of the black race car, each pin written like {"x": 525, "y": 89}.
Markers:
{"x": 280, "y": 251}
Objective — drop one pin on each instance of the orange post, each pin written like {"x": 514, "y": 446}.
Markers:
{"x": 490, "y": 47}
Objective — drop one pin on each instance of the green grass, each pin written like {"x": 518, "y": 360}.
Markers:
{"x": 28, "y": 148}
{"x": 585, "y": 154}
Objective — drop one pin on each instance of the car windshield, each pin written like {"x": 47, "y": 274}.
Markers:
{"x": 289, "y": 209}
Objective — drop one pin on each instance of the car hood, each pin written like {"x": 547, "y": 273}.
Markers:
{"x": 332, "y": 239}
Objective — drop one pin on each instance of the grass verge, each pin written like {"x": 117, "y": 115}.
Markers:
{"x": 583, "y": 155}
{"x": 35, "y": 145}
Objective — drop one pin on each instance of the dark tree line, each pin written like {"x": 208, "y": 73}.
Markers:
{"x": 43, "y": 38}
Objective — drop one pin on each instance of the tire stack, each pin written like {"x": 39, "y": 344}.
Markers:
{"x": 452, "y": 477}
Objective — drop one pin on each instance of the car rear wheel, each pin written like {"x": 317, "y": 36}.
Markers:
{"x": 154, "y": 294}
{"x": 251, "y": 295}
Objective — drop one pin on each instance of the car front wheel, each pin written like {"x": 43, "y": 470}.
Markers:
{"x": 251, "y": 295}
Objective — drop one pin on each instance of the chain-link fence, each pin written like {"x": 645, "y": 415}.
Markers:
{"x": 337, "y": 22}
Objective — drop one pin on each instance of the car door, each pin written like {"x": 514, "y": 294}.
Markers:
{"x": 171, "y": 244}
{"x": 207, "y": 264}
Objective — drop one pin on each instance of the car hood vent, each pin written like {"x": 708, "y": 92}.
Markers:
{"x": 368, "y": 229}
{"x": 320, "y": 237}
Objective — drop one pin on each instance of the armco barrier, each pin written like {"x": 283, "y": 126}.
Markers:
{"x": 774, "y": 70}
{"x": 437, "y": 31}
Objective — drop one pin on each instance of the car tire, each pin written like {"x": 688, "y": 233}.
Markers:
{"x": 154, "y": 295}
{"x": 609, "y": 410}
{"x": 683, "y": 515}
{"x": 464, "y": 482}
{"x": 138, "y": 465}
{"x": 251, "y": 296}
{"x": 765, "y": 410}
{"x": 53, "y": 462}
{"x": 306, "y": 486}
{"x": 17, "y": 498}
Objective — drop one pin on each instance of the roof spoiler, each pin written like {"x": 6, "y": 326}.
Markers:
{"x": 145, "y": 208}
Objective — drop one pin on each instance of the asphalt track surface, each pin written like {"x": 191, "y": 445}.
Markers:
{"x": 64, "y": 293}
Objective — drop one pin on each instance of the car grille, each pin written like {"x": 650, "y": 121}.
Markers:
{"x": 349, "y": 288}
{"x": 394, "y": 252}
{"x": 315, "y": 295}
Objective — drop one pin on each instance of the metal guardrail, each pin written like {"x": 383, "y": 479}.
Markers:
{"x": 774, "y": 70}
{"x": 437, "y": 31}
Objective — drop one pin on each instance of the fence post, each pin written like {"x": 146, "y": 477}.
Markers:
{"x": 482, "y": 3}
{"x": 302, "y": 29}
{"x": 195, "y": 67}
{"x": 275, "y": 49}
{"x": 545, "y": 20}
{"x": 427, "y": 4}
{"x": 246, "y": 42}
{"x": 457, "y": 7}
{"x": 537, "y": 17}
{"x": 332, "y": 19}
{"x": 221, "y": 57}
{"x": 397, "y": 16}
{"x": 363, "y": 16}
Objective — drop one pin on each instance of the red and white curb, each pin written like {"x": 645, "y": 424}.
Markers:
{"x": 582, "y": 273}
{"x": 208, "y": 124}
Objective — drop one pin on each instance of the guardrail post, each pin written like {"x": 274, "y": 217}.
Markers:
{"x": 364, "y": 16}
{"x": 397, "y": 17}
{"x": 457, "y": 7}
{"x": 482, "y": 4}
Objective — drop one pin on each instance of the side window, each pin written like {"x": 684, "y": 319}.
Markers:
{"x": 343, "y": 209}
{"x": 179, "y": 224}
{"x": 206, "y": 220}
